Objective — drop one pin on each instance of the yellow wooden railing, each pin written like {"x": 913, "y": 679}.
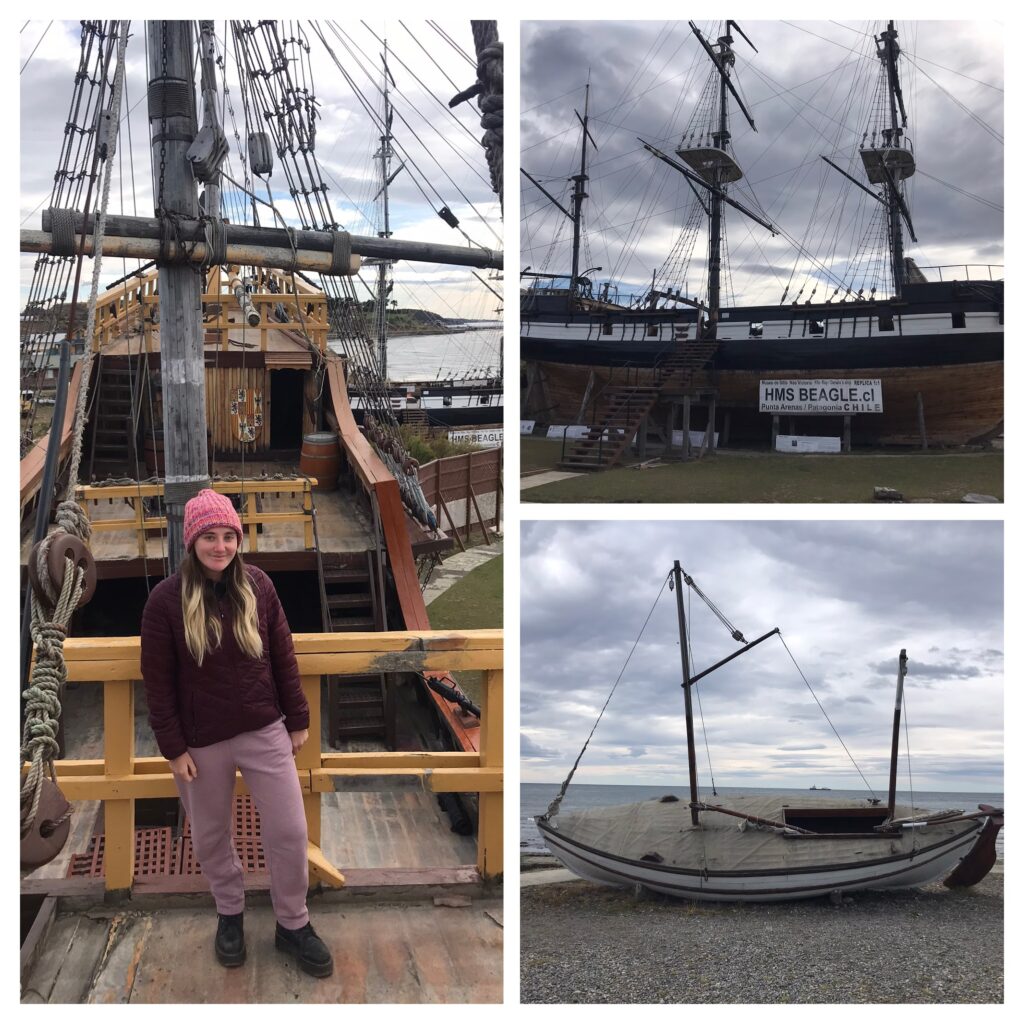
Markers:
{"x": 120, "y": 778}
{"x": 137, "y": 300}
{"x": 140, "y": 522}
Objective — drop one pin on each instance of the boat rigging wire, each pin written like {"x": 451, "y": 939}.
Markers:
{"x": 556, "y": 803}
{"x": 51, "y": 615}
{"x": 36, "y": 47}
{"x": 825, "y": 713}
{"x": 700, "y": 709}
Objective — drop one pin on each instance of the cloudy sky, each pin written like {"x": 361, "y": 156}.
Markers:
{"x": 847, "y": 597}
{"x": 809, "y": 89}
{"x": 448, "y": 153}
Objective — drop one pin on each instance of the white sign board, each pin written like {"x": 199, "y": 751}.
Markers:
{"x": 559, "y": 430}
{"x": 819, "y": 397}
{"x": 526, "y": 426}
{"x": 490, "y": 438}
{"x": 794, "y": 443}
{"x": 696, "y": 439}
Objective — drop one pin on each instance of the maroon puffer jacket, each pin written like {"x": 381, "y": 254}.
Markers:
{"x": 231, "y": 693}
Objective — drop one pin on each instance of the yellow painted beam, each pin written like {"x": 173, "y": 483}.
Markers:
{"x": 490, "y": 837}
{"x": 322, "y": 870}
{"x": 91, "y": 659}
{"x": 119, "y": 814}
{"x": 136, "y": 787}
{"x": 363, "y": 759}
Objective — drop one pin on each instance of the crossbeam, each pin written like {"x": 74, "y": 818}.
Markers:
{"x": 319, "y": 242}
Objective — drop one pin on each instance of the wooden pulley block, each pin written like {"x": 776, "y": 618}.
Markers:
{"x": 63, "y": 548}
{"x": 44, "y": 840}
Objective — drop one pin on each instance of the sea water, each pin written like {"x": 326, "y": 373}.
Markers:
{"x": 474, "y": 353}
{"x": 535, "y": 797}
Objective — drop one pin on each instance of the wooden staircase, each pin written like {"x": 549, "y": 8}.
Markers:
{"x": 112, "y": 451}
{"x": 358, "y": 706}
{"x": 622, "y": 410}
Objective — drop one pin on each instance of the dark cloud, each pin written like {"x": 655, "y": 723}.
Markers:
{"x": 848, "y": 597}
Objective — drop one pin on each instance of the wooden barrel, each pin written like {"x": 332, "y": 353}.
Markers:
{"x": 321, "y": 458}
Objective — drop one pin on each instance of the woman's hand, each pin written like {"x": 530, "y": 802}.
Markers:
{"x": 298, "y": 739}
{"x": 184, "y": 767}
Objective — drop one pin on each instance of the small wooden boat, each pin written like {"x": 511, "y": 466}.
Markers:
{"x": 772, "y": 847}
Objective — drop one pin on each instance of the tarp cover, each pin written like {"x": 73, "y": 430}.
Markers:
{"x": 724, "y": 843}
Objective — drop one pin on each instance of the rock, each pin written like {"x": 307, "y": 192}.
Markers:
{"x": 979, "y": 499}
{"x": 887, "y": 494}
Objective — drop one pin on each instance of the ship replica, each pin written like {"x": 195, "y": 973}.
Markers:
{"x": 759, "y": 849}
{"x": 901, "y": 359}
{"x": 210, "y": 367}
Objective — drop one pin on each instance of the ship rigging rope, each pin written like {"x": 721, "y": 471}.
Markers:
{"x": 825, "y": 713}
{"x": 700, "y": 708}
{"x": 556, "y": 803}
{"x": 51, "y": 618}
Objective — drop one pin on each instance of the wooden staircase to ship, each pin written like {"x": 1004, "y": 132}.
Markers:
{"x": 358, "y": 706}
{"x": 115, "y": 418}
{"x": 622, "y": 410}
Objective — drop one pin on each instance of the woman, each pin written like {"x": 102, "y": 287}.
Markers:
{"x": 224, "y": 693}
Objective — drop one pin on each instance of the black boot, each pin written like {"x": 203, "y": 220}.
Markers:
{"x": 313, "y": 956}
{"x": 230, "y": 942}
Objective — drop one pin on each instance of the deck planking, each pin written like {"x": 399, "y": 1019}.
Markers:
{"x": 342, "y": 525}
{"x": 408, "y": 953}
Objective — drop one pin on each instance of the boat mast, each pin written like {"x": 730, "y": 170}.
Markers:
{"x": 173, "y": 124}
{"x": 889, "y": 51}
{"x": 384, "y": 153}
{"x": 691, "y": 750}
{"x": 721, "y": 141}
{"x": 579, "y": 194}
{"x": 896, "y": 734}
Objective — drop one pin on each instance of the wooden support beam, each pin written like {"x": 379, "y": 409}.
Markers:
{"x": 321, "y": 869}
{"x": 319, "y": 244}
{"x": 490, "y": 836}
{"x": 118, "y": 752}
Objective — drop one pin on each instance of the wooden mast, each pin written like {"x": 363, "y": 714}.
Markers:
{"x": 896, "y": 735}
{"x": 173, "y": 126}
{"x": 579, "y": 194}
{"x": 691, "y": 751}
{"x": 892, "y": 135}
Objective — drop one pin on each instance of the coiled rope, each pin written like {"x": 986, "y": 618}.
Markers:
{"x": 51, "y": 615}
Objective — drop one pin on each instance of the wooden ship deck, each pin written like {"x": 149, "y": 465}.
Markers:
{"x": 393, "y": 842}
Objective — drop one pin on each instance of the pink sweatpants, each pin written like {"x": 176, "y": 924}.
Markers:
{"x": 265, "y": 760}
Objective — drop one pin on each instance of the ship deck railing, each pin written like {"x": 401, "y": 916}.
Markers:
{"x": 962, "y": 271}
{"x": 120, "y": 777}
{"x": 142, "y": 521}
{"x": 137, "y": 302}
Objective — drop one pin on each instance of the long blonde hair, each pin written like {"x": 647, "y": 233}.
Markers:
{"x": 202, "y": 618}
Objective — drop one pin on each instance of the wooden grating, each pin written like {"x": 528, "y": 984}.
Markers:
{"x": 159, "y": 853}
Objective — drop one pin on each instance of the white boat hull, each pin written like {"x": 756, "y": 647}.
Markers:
{"x": 927, "y": 864}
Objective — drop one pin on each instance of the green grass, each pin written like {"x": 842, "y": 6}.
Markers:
{"x": 537, "y": 453}
{"x": 475, "y": 602}
{"x": 766, "y": 477}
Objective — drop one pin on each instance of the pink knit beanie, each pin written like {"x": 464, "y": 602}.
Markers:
{"x": 208, "y": 510}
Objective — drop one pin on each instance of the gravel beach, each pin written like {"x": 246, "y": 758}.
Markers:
{"x": 584, "y": 943}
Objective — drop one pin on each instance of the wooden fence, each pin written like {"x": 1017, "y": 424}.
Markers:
{"x": 454, "y": 486}
{"x": 120, "y": 777}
